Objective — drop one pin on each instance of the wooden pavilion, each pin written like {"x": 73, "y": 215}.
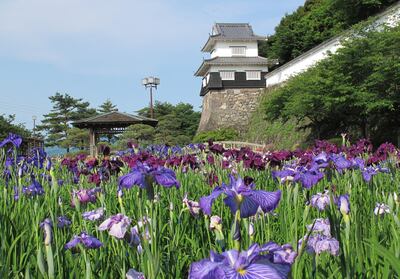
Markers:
{"x": 110, "y": 123}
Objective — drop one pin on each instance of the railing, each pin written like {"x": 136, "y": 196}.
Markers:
{"x": 238, "y": 144}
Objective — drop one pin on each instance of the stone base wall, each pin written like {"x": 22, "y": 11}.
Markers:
{"x": 229, "y": 108}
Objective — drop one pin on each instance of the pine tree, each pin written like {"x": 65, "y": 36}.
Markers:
{"x": 107, "y": 106}
{"x": 56, "y": 124}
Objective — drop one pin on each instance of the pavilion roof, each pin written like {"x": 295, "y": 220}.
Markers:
{"x": 114, "y": 119}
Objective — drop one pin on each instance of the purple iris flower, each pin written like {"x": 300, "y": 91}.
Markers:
{"x": 63, "y": 222}
{"x": 143, "y": 174}
{"x": 233, "y": 264}
{"x": 133, "y": 274}
{"x": 308, "y": 177}
{"x": 320, "y": 239}
{"x": 357, "y": 163}
{"x": 284, "y": 175}
{"x": 86, "y": 195}
{"x": 86, "y": 240}
{"x": 240, "y": 196}
{"x": 14, "y": 139}
{"x": 340, "y": 162}
{"x": 368, "y": 173}
{"x": 320, "y": 243}
{"x": 116, "y": 225}
{"x": 34, "y": 189}
{"x": 322, "y": 160}
{"x": 321, "y": 226}
{"x": 279, "y": 254}
{"x": 94, "y": 214}
{"x": 193, "y": 206}
{"x": 320, "y": 200}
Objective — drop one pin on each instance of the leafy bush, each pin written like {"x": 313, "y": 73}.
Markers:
{"x": 217, "y": 135}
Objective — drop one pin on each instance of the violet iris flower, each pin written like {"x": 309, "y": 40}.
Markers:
{"x": 279, "y": 254}
{"x": 193, "y": 206}
{"x": 34, "y": 189}
{"x": 63, "y": 222}
{"x": 116, "y": 225}
{"x": 240, "y": 196}
{"x": 14, "y": 139}
{"x": 143, "y": 174}
{"x": 94, "y": 214}
{"x": 233, "y": 264}
{"x": 320, "y": 239}
{"x": 86, "y": 240}
{"x": 320, "y": 200}
{"x": 308, "y": 177}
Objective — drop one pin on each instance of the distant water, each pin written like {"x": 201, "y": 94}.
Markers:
{"x": 56, "y": 150}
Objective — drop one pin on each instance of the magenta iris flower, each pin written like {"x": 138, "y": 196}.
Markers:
{"x": 86, "y": 240}
{"x": 240, "y": 196}
{"x": 233, "y": 264}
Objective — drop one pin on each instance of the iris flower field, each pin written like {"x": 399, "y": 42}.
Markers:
{"x": 201, "y": 211}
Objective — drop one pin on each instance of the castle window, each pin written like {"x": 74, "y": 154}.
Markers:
{"x": 253, "y": 75}
{"x": 227, "y": 75}
{"x": 238, "y": 50}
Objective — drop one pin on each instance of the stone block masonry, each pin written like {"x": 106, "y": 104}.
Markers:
{"x": 229, "y": 108}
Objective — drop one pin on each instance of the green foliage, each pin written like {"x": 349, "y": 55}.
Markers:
{"x": 107, "y": 106}
{"x": 177, "y": 124}
{"x": 78, "y": 138}
{"x": 315, "y": 22}
{"x": 65, "y": 110}
{"x": 275, "y": 133}
{"x": 140, "y": 133}
{"x": 7, "y": 126}
{"x": 354, "y": 91}
{"x": 217, "y": 135}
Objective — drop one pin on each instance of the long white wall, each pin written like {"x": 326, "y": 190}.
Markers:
{"x": 390, "y": 17}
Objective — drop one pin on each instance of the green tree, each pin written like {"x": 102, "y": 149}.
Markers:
{"x": 315, "y": 22}
{"x": 78, "y": 138}
{"x": 7, "y": 126}
{"x": 355, "y": 91}
{"x": 177, "y": 124}
{"x": 107, "y": 106}
{"x": 66, "y": 109}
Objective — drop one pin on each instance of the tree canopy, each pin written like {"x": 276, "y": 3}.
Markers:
{"x": 107, "y": 106}
{"x": 56, "y": 124}
{"x": 315, "y": 22}
{"x": 7, "y": 126}
{"x": 354, "y": 91}
{"x": 177, "y": 124}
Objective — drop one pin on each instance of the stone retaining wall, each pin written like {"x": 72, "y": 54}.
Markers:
{"x": 229, "y": 108}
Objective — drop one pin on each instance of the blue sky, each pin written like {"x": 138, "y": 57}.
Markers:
{"x": 99, "y": 49}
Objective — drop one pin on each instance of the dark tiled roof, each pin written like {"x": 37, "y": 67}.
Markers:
{"x": 233, "y": 61}
{"x": 231, "y": 32}
{"x": 115, "y": 119}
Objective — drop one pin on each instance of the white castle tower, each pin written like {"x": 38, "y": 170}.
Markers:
{"x": 233, "y": 77}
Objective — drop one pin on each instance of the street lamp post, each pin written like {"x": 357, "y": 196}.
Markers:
{"x": 34, "y": 129}
{"x": 151, "y": 82}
